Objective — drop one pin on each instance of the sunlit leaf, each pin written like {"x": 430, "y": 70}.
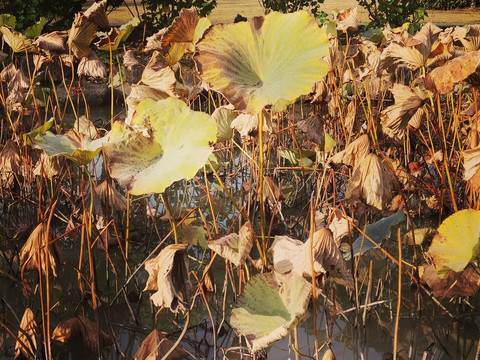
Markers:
{"x": 29, "y": 137}
{"x": 354, "y": 152}
{"x": 108, "y": 194}
{"x": 265, "y": 60}
{"x": 371, "y": 181}
{"x": 235, "y": 248}
{"x": 36, "y": 29}
{"x": 158, "y": 75}
{"x": 293, "y": 156}
{"x": 347, "y": 20}
{"x": 26, "y": 345}
{"x": 73, "y": 145}
{"x": 9, "y": 20}
{"x": 456, "y": 242}
{"x": 264, "y": 322}
{"x": 176, "y": 143}
{"x": 168, "y": 276}
{"x": 247, "y": 124}
{"x": 92, "y": 66}
{"x": 117, "y": 36}
{"x": 81, "y": 35}
{"x": 223, "y": 116}
{"x": 17, "y": 41}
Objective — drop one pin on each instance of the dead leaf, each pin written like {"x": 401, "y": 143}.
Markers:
{"x": 26, "y": 344}
{"x": 81, "y": 328}
{"x": 96, "y": 14}
{"x": 168, "y": 275}
{"x": 37, "y": 254}
{"x": 55, "y": 42}
{"x": 235, "y": 248}
{"x": 159, "y": 76}
{"x": 182, "y": 28}
{"x": 92, "y": 66}
{"x": 471, "y": 163}
{"x": 313, "y": 129}
{"x": 347, "y": 20}
{"x": 354, "y": 152}
{"x": 109, "y": 195}
{"x": 468, "y": 35}
{"x": 329, "y": 355}
{"x": 156, "y": 345}
{"x": 443, "y": 78}
{"x": 371, "y": 181}
{"x": 81, "y": 35}
{"x": 247, "y": 125}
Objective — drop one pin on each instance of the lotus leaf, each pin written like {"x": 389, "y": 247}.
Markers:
{"x": 26, "y": 345}
{"x": 36, "y": 29}
{"x": 223, "y": 116}
{"x": 17, "y": 41}
{"x": 166, "y": 142}
{"x": 456, "y": 242}
{"x": 269, "y": 308}
{"x": 233, "y": 247}
{"x": 28, "y": 138}
{"x": 116, "y": 36}
{"x": 257, "y": 63}
{"x": 73, "y": 145}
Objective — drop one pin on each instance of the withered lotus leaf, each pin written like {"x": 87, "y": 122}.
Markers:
{"x": 81, "y": 328}
{"x": 258, "y": 63}
{"x": 291, "y": 255}
{"x": 92, "y": 66}
{"x": 156, "y": 345}
{"x": 81, "y": 35}
{"x": 456, "y": 243}
{"x": 96, "y": 14}
{"x": 247, "y": 124}
{"x": 235, "y": 248}
{"x": 187, "y": 28}
{"x": 313, "y": 129}
{"x": 465, "y": 283}
{"x": 107, "y": 193}
{"x": 264, "y": 322}
{"x": 26, "y": 344}
{"x": 443, "y": 78}
{"x": 53, "y": 42}
{"x": 224, "y": 116}
{"x": 116, "y": 36}
{"x": 168, "y": 276}
{"x": 17, "y": 41}
{"x": 471, "y": 163}
{"x": 371, "y": 181}
{"x": 347, "y": 20}
{"x": 158, "y": 75}
{"x": 468, "y": 35}
{"x": 37, "y": 254}
{"x": 354, "y": 152}
{"x": 395, "y": 118}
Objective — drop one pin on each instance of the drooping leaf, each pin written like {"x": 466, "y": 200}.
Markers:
{"x": 264, "y": 322}
{"x": 193, "y": 234}
{"x": 97, "y": 14}
{"x": 7, "y": 19}
{"x": 371, "y": 181}
{"x": 156, "y": 345}
{"x": 347, "y": 20}
{"x": 267, "y": 59}
{"x": 168, "y": 276}
{"x": 117, "y": 36}
{"x": 293, "y": 156}
{"x": 37, "y": 254}
{"x": 174, "y": 145}
{"x": 26, "y": 345}
{"x": 81, "y": 35}
{"x": 73, "y": 145}
{"x": 235, "y": 248}
{"x": 456, "y": 242}
{"x": 378, "y": 231}
{"x": 53, "y": 42}
{"x": 247, "y": 124}
{"x": 107, "y": 193}
{"x": 83, "y": 329}
{"x": 158, "y": 75}
{"x": 92, "y": 66}
{"x": 223, "y": 116}
{"x": 354, "y": 152}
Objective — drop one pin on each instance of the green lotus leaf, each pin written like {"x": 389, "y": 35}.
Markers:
{"x": 116, "y": 36}
{"x": 269, "y": 308}
{"x": 36, "y": 29}
{"x": 166, "y": 142}
{"x": 457, "y": 242}
{"x": 73, "y": 145}
{"x": 223, "y": 116}
{"x": 7, "y": 19}
{"x": 29, "y": 137}
{"x": 258, "y": 63}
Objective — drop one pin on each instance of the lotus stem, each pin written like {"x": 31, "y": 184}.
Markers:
{"x": 399, "y": 302}
{"x": 263, "y": 253}
{"x": 184, "y": 331}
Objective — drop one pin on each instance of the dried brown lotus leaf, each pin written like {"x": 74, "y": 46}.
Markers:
{"x": 8, "y": 72}
{"x": 10, "y": 159}
{"x": 154, "y": 42}
{"x": 347, "y": 20}
{"x": 26, "y": 344}
{"x": 469, "y": 36}
{"x": 395, "y": 35}
{"x": 465, "y": 283}
{"x": 471, "y": 162}
{"x": 313, "y": 129}
{"x": 320, "y": 92}
{"x": 328, "y": 355}
{"x": 182, "y": 28}
{"x": 108, "y": 194}
{"x": 53, "y": 42}
{"x": 395, "y": 118}
{"x": 109, "y": 39}
{"x": 247, "y": 125}
{"x": 83, "y": 329}
{"x": 49, "y": 167}
{"x": 443, "y": 78}
{"x": 130, "y": 61}
{"x": 340, "y": 225}
{"x": 416, "y": 120}
{"x": 96, "y": 14}
{"x": 92, "y": 66}
{"x": 41, "y": 60}
{"x": 397, "y": 54}
{"x": 290, "y": 255}
{"x": 168, "y": 275}
{"x": 159, "y": 76}
{"x": 155, "y": 347}
{"x": 81, "y": 35}
{"x": 371, "y": 181}
{"x": 272, "y": 193}
{"x": 354, "y": 152}
{"x": 235, "y": 248}
{"x": 37, "y": 254}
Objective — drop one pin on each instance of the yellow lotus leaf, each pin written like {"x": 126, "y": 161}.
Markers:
{"x": 258, "y": 63}
{"x": 166, "y": 142}
{"x": 456, "y": 242}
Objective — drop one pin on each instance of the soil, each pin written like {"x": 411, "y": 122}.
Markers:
{"x": 226, "y": 11}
